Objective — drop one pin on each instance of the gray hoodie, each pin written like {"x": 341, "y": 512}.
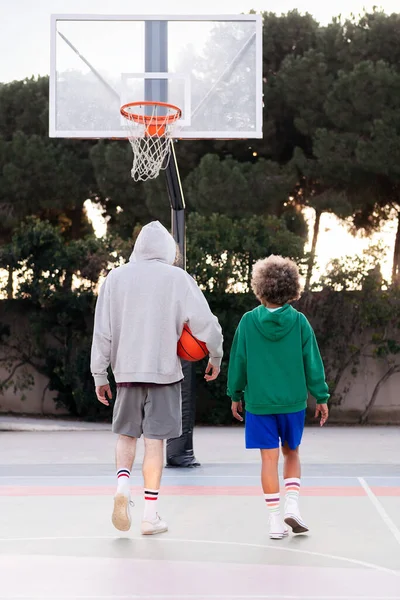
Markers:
{"x": 140, "y": 313}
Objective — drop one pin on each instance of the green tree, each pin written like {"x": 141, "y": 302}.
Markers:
{"x": 49, "y": 178}
{"x": 243, "y": 189}
{"x": 59, "y": 318}
{"x": 24, "y": 106}
{"x": 359, "y": 153}
{"x": 221, "y": 252}
{"x": 124, "y": 201}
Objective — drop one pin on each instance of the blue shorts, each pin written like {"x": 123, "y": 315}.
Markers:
{"x": 265, "y": 431}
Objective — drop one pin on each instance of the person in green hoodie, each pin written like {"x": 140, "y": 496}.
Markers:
{"x": 274, "y": 363}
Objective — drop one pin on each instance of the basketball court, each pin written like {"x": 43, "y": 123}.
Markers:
{"x": 56, "y": 488}
{"x": 57, "y": 541}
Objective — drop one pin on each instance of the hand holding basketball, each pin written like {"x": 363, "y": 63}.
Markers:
{"x": 213, "y": 370}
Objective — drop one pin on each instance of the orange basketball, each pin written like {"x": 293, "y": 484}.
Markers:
{"x": 189, "y": 347}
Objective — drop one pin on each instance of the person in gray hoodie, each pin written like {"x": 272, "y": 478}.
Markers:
{"x": 140, "y": 313}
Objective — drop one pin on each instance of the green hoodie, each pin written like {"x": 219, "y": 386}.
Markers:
{"x": 275, "y": 362}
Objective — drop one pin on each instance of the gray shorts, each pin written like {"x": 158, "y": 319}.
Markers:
{"x": 155, "y": 412}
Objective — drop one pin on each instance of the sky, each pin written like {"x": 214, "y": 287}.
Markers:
{"x": 25, "y": 24}
{"x": 25, "y": 51}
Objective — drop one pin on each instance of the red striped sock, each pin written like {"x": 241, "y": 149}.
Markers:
{"x": 150, "y": 504}
{"x": 123, "y": 481}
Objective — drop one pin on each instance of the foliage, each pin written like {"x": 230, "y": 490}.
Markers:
{"x": 331, "y": 142}
{"x": 222, "y": 250}
{"x": 58, "y": 317}
{"x": 355, "y": 316}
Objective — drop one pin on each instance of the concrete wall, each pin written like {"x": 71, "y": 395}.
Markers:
{"x": 36, "y": 401}
{"x": 352, "y": 394}
{"x": 356, "y": 391}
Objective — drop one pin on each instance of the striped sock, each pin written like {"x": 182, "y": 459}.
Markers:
{"x": 272, "y": 501}
{"x": 150, "y": 504}
{"x": 123, "y": 481}
{"x": 292, "y": 489}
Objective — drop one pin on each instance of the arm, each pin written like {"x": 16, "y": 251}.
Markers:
{"x": 314, "y": 371}
{"x": 203, "y": 324}
{"x": 101, "y": 344}
{"x": 237, "y": 371}
{"x": 313, "y": 365}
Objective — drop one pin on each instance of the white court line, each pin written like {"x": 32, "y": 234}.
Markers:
{"x": 379, "y": 507}
{"x": 202, "y": 597}
{"x": 194, "y": 476}
{"x": 353, "y": 561}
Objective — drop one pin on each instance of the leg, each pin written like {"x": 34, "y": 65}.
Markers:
{"x": 162, "y": 421}
{"x": 124, "y": 457}
{"x": 261, "y": 431}
{"x": 127, "y": 422}
{"x": 152, "y": 472}
{"x": 153, "y": 463}
{"x": 291, "y": 466}
{"x": 269, "y": 471}
{"x": 292, "y": 471}
{"x": 125, "y": 452}
{"x": 270, "y": 485}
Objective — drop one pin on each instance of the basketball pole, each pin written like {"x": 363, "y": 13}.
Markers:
{"x": 179, "y": 450}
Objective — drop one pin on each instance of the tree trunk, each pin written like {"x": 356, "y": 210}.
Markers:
{"x": 44, "y": 398}
{"x": 67, "y": 283}
{"x": 251, "y": 261}
{"x": 75, "y": 214}
{"x": 396, "y": 255}
{"x": 393, "y": 369}
{"x": 311, "y": 262}
{"x": 10, "y": 286}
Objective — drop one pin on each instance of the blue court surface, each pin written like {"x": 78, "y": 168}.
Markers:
{"x": 57, "y": 540}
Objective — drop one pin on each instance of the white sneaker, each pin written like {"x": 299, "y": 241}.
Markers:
{"x": 154, "y": 527}
{"x": 293, "y": 518}
{"x": 121, "y": 517}
{"x": 277, "y": 528}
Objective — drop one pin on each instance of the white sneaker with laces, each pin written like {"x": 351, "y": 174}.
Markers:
{"x": 277, "y": 528}
{"x": 121, "y": 517}
{"x": 155, "y": 526}
{"x": 293, "y": 517}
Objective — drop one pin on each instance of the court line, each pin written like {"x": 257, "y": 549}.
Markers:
{"x": 177, "y": 490}
{"x": 202, "y": 597}
{"x": 189, "y": 475}
{"x": 353, "y": 561}
{"x": 380, "y": 509}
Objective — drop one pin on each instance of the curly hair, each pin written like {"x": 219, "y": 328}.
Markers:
{"x": 276, "y": 280}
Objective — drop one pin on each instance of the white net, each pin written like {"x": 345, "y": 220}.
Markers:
{"x": 150, "y": 130}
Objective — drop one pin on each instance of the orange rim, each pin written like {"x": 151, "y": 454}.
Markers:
{"x": 148, "y": 119}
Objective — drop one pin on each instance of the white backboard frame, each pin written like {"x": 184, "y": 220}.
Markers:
{"x": 256, "y": 133}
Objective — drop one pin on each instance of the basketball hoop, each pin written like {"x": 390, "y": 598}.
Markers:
{"x": 150, "y": 127}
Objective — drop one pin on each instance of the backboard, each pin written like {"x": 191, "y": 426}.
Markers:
{"x": 209, "y": 66}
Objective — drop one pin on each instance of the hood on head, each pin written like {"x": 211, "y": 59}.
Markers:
{"x": 275, "y": 325}
{"x": 154, "y": 242}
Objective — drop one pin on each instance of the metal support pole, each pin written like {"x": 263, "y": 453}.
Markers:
{"x": 179, "y": 450}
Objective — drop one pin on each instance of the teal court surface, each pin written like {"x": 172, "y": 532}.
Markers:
{"x": 57, "y": 541}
